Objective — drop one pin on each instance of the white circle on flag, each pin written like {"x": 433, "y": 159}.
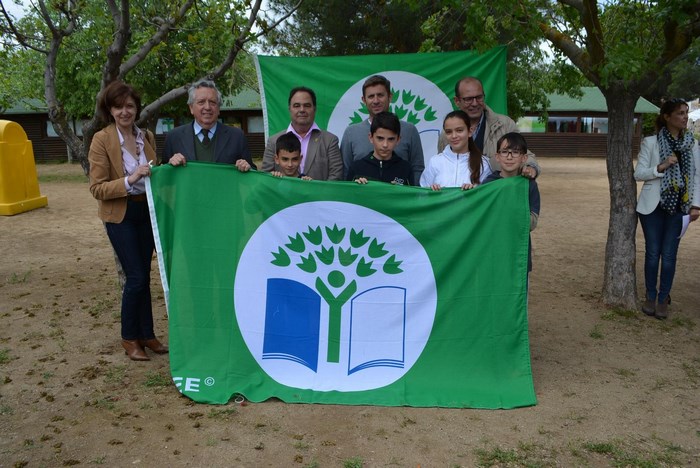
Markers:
{"x": 384, "y": 324}
{"x": 416, "y": 94}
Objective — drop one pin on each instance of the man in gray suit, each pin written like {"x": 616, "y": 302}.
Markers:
{"x": 206, "y": 139}
{"x": 320, "y": 153}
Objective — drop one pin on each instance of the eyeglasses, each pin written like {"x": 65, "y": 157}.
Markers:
{"x": 468, "y": 99}
{"x": 509, "y": 153}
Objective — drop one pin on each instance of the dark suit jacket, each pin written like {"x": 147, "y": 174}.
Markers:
{"x": 230, "y": 144}
{"x": 107, "y": 172}
{"x": 322, "y": 160}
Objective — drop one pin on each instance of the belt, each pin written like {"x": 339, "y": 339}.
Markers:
{"x": 141, "y": 197}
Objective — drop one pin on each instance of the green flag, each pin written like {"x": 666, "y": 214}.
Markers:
{"x": 334, "y": 292}
{"x": 422, "y": 85}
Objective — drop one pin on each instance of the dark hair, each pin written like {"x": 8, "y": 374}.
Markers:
{"x": 375, "y": 80}
{"x": 385, "y": 120}
{"x": 475, "y": 153}
{"x": 467, "y": 79}
{"x": 302, "y": 89}
{"x": 203, "y": 84}
{"x": 115, "y": 95}
{"x": 515, "y": 142}
{"x": 287, "y": 142}
{"x": 668, "y": 108}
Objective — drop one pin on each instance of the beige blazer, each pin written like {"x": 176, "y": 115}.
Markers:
{"x": 107, "y": 172}
{"x": 647, "y": 161}
{"x": 322, "y": 161}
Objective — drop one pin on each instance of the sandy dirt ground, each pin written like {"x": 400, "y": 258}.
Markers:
{"x": 614, "y": 387}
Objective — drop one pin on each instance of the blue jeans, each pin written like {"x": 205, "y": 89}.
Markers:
{"x": 661, "y": 231}
{"x": 132, "y": 240}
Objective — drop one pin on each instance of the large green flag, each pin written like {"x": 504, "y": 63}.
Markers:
{"x": 334, "y": 292}
{"x": 422, "y": 84}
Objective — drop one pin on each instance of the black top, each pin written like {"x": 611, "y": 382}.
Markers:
{"x": 394, "y": 170}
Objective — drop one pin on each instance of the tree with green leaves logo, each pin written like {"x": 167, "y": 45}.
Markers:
{"x": 360, "y": 259}
{"x": 406, "y": 105}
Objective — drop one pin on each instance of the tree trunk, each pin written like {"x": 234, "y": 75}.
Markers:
{"x": 620, "y": 279}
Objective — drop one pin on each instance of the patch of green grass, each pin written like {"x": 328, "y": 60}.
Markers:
{"x": 100, "y": 307}
{"x": 354, "y": 462}
{"x": 105, "y": 403}
{"x": 605, "y": 448}
{"x": 19, "y": 278}
{"x": 596, "y": 334}
{"x": 98, "y": 460}
{"x": 496, "y": 456}
{"x": 625, "y": 372}
{"x": 6, "y": 410}
{"x": 617, "y": 313}
{"x": 115, "y": 374}
{"x": 222, "y": 413}
{"x": 624, "y": 455}
{"x": 312, "y": 464}
{"x": 527, "y": 455}
{"x": 683, "y": 322}
{"x": 156, "y": 379}
{"x": 5, "y": 356}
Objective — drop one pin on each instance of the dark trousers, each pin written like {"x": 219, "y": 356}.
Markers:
{"x": 661, "y": 231}
{"x": 132, "y": 240}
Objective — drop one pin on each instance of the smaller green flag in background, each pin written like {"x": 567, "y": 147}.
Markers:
{"x": 422, "y": 85}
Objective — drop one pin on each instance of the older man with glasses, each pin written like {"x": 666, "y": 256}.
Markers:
{"x": 490, "y": 126}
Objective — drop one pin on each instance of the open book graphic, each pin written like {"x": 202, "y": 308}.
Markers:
{"x": 377, "y": 329}
{"x": 292, "y": 321}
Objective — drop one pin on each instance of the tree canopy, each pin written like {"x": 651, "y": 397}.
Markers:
{"x": 352, "y": 27}
{"x": 158, "y": 46}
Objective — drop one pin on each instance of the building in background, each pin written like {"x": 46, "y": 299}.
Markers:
{"x": 577, "y": 127}
{"x": 242, "y": 110}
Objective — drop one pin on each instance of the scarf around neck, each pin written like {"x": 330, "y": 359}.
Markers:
{"x": 676, "y": 186}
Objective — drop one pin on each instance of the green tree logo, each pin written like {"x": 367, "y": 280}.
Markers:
{"x": 360, "y": 259}
{"x": 406, "y": 105}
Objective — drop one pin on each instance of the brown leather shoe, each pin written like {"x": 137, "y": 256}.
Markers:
{"x": 649, "y": 307}
{"x": 133, "y": 349}
{"x": 662, "y": 309}
{"x": 154, "y": 345}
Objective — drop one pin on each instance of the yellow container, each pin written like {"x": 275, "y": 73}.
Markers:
{"x": 19, "y": 185}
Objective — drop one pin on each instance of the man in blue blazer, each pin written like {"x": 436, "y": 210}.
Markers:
{"x": 206, "y": 139}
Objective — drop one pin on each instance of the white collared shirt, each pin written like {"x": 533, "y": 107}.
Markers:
{"x": 198, "y": 131}
{"x": 131, "y": 162}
